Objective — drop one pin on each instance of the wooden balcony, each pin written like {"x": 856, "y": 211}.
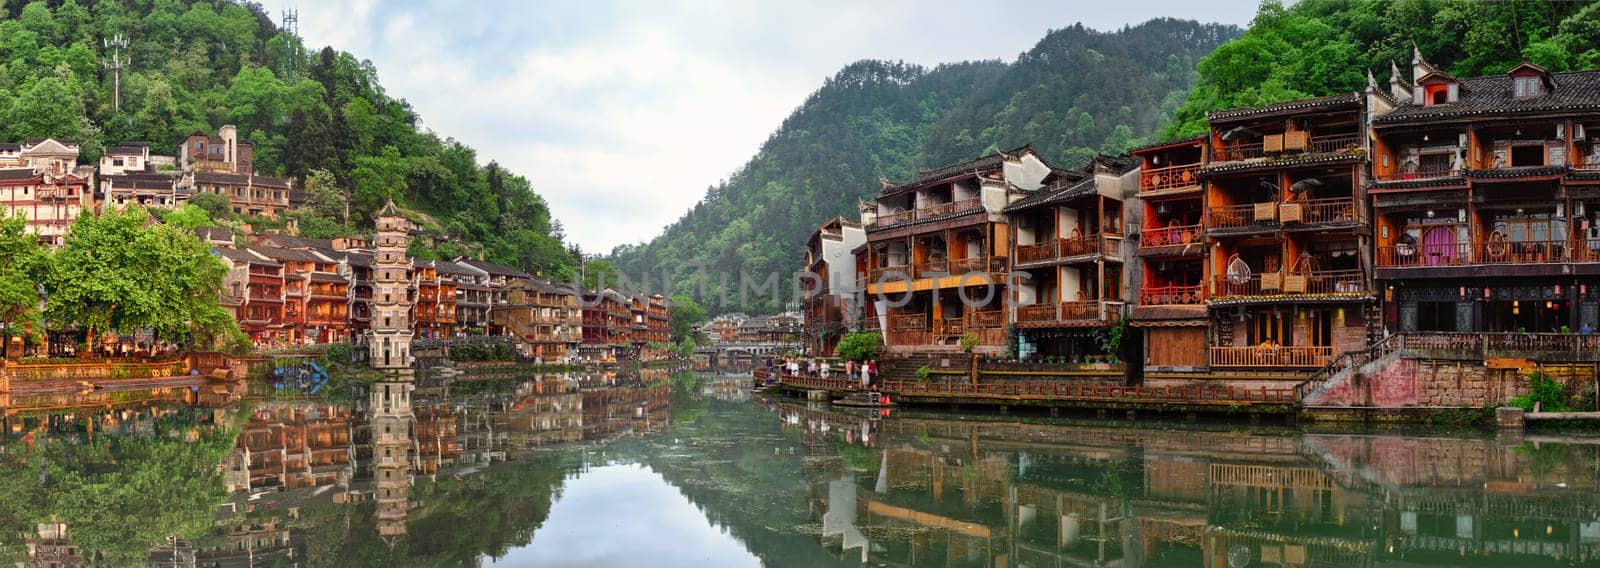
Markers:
{"x": 1086, "y": 311}
{"x": 1279, "y": 283}
{"x": 1170, "y": 235}
{"x": 1171, "y": 296}
{"x": 1420, "y": 175}
{"x": 1170, "y": 179}
{"x": 1235, "y": 152}
{"x": 1243, "y": 217}
{"x": 1334, "y": 143}
{"x": 1465, "y": 254}
{"x": 1105, "y": 245}
{"x": 929, "y": 212}
{"x": 1271, "y": 356}
{"x": 1314, "y": 211}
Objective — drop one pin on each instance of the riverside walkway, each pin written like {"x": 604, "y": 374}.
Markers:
{"x": 1048, "y": 394}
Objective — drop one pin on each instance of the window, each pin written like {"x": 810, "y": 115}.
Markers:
{"x": 1529, "y": 86}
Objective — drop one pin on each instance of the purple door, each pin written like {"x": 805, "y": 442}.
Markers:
{"x": 1439, "y": 246}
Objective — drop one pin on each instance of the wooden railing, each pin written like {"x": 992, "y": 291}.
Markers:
{"x": 1171, "y": 296}
{"x": 1108, "y": 245}
{"x": 1438, "y": 173}
{"x": 894, "y": 218}
{"x": 1247, "y": 215}
{"x": 1037, "y": 252}
{"x": 1329, "y": 282}
{"x": 1079, "y": 311}
{"x": 1271, "y": 356}
{"x": 1232, "y": 152}
{"x": 1036, "y": 313}
{"x": 1081, "y": 391}
{"x": 985, "y": 264}
{"x": 1169, "y": 178}
{"x": 1170, "y": 235}
{"x": 1318, "y": 211}
{"x": 1334, "y": 143}
{"x": 1405, "y": 255}
{"x": 1276, "y": 283}
{"x": 1524, "y": 252}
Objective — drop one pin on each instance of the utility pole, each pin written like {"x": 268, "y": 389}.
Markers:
{"x": 116, "y": 44}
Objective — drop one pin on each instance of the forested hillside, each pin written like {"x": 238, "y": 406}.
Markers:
{"x": 1077, "y": 92}
{"x": 197, "y": 65}
{"x": 1323, "y": 47}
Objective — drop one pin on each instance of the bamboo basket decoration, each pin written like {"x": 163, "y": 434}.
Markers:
{"x": 1296, "y": 140}
{"x": 1272, "y": 143}
{"x": 1271, "y": 281}
{"x": 1292, "y": 212}
{"x": 1296, "y": 280}
{"x": 1266, "y": 211}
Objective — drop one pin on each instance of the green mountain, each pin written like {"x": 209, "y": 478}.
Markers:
{"x": 1077, "y": 92}
{"x": 196, "y": 65}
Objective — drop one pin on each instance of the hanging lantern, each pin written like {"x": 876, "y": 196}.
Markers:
{"x": 1463, "y": 292}
{"x": 1558, "y": 290}
{"x": 1486, "y": 293}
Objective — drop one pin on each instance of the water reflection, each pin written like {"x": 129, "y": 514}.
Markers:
{"x": 623, "y": 469}
{"x": 927, "y": 491}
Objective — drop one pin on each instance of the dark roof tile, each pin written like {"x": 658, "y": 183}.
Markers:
{"x": 1574, "y": 91}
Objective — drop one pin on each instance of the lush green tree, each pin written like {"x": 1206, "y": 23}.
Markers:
{"x": 22, "y": 265}
{"x": 188, "y": 217}
{"x": 686, "y": 316}
{"x": 122, "y": 272}
{"x": 48, "y": 108}
{"x": 600, "y": 273}
{"x": 859, "y": 346}
{"x": 215, "y": 205}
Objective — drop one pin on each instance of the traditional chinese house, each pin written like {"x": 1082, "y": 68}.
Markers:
{"x": 1287, "y": 227}
{"x": 1066, "y": 259}
{"x": 1487, "y": 200}
{"x": 1171, "y": 279}
{"x": 829, "y": 307}
{"x": 937, "y": 246}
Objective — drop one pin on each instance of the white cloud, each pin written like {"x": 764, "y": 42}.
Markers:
{"x": 622, "y": 114}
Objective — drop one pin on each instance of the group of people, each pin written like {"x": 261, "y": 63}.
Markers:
{"x": 865, "y": 371}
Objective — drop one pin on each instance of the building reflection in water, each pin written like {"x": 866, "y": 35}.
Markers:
{"x": 998, "y": 493}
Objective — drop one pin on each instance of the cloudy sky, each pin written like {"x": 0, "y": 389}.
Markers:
{"x": 623, "y": 112}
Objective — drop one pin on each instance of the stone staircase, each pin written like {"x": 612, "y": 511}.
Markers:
{"x": 905, "y": 367}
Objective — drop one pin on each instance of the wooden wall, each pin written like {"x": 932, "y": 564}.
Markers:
{"x": 1176, "y": 346}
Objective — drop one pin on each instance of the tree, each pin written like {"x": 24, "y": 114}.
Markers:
{"x": 324, "y": 197}
{"x": 46, "y": 109}
{"x": 187, "y": 217}
{"x": 214, "y": 204}
{"x": 600, "y": 273}
{"x": 22, "y": 265}
{"x": 859, "y": 346}
{"x": 121, "y": 272}
{"x": 687, "y": 315}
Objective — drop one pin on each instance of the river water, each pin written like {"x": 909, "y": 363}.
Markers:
{"x": 654, "y": 469}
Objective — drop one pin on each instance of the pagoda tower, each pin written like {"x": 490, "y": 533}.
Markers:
{"x": 393, "y": 439}
{"x": 389, "y": 340}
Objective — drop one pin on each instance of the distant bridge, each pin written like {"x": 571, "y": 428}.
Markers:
{"x": 732, "y": 349}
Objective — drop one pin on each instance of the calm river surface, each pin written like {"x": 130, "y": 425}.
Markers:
{"x": 654, "y": 469}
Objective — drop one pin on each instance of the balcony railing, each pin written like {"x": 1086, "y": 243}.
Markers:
{"x": 1036, "y": 313}
{"x": 1079, "y": 311}
{"x": 1243, "y": 216}
{"x": 1334, "y": 143}
{"x": 1105, "y": 244}
{"x": 1171, "y": 296}
{"x": 1421, "y": 175}
{"x": 1522, "y": 252}
{"x": 894, "y": 218}
{"x": 929, "y": 212}
{"x": 1169, "y": 178}
{"x": 1232, "y": 152}
{"x": 1170, "y": 235}
{"x": 1270, "y": 356}
{"x": 1409, "y": 255}
{"x": 1331, "y": 210}
{"x": 1278, "y": 283}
